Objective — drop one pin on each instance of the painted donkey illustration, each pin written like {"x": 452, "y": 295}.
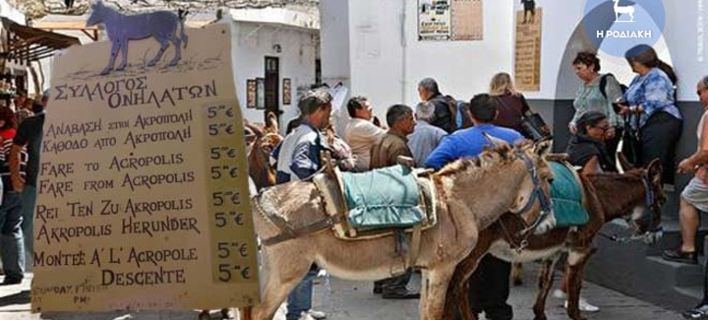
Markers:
{"x": 162, "y": 25}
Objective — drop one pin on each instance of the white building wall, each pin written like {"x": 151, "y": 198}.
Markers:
{"x": 252, "y": 42}
{"x": 387, "y": 60}
{"x": 682, "y": 32}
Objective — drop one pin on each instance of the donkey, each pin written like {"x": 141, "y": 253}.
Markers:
{"x": 606, "y": 196}
{"x": 266, "y": 139}
{"x": 162, "y": 25}
{"x": 623, "y": 9}
{"x": 472, "y": 194}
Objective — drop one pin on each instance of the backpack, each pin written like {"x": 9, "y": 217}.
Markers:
{"x": 603, "y": 85}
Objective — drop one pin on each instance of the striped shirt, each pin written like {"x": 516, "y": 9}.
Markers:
{"x": 5, "y": 164}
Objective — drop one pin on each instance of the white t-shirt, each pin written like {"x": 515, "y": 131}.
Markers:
{"x": 361, "y": 134}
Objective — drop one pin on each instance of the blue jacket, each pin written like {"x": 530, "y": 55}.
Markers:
{"x": 468, "y": 143}
{"x": 298, "y": 155}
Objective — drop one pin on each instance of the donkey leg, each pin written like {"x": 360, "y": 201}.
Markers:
{"x": 178, "y": 50}
{"x": 545, "y": 282}
{"x": 516, "y": 272}
{"x": 576, "y": 264}
{"x": 115, "y": 47}
{"x": 432, "y": 301}
{"x": 281, "y": 273}
{"x": 163, "y": 46}
{"x": 124, "y": 55}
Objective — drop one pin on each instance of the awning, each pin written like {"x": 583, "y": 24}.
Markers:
{"x": 24, "y": 44}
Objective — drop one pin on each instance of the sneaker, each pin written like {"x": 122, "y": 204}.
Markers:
{"x": 584, "y": 305}
{"x": 317, "y": 315}
{"x": 559, "y": 294}
{"x": 678, "y": 255}
{"x": 700, "y": 312}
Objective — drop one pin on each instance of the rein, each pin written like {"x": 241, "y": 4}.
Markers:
{"x": 650, "y": 202}
{"x": 536, "y": 194}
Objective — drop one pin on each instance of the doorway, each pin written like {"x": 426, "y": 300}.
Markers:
{"x": 272, "y": 88}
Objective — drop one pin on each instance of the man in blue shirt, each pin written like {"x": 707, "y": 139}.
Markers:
{"x": 470, "y": 142}
{"x": 489, "y": 285}
{"x": 298, "y": 158}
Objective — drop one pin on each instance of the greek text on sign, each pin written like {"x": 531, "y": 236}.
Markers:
{"x": 143, "y": 193}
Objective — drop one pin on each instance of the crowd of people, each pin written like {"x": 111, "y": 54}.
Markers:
{"x": 21, "y": 139}
{"x": 643, "y": 116}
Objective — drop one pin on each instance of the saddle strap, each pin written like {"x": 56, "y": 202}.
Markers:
{"x": 290, "y": 233}
{"x": 415, "y": 245}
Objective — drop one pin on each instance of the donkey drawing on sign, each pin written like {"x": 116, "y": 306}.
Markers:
{"x": 162, "y": 25}
{"x": 623, "y": 9}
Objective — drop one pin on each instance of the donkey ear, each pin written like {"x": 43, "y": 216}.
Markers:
{"x": 654, "y": 171}
{"x": 543, "y": 147}
{"x": 272, "y": 125}
{"x": 495, "y": 142}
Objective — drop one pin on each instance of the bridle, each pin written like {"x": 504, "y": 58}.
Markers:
{"x": 536, "y": 195}
{"x": 651, "y": 203}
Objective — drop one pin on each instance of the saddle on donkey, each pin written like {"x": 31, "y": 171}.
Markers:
{"x": 377, "y": 202}
{"x": 567, "y": 196}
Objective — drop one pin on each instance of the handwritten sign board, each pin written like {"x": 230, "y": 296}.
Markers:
{"x": 456, "y": 20}
{"x": 143, "y": 191}
{"x": 527, "y": 57}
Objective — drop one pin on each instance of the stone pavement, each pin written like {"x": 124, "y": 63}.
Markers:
{"x": 353, "y": 300}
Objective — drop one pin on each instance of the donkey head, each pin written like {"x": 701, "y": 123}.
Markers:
{"x": 97, "y": 14}
{"x": 649, "y": 221}
{"x": 533, "y": 203}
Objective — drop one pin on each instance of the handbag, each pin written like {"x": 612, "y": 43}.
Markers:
{"x": 535, "y": 127}
{"x": 631, "y": 142}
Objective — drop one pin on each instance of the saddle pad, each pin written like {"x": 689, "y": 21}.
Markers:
{"x": 382, "y": 198}
{"x": 567, "y": 197}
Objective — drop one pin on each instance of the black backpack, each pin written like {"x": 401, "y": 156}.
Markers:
{"x": 603, "y": 84}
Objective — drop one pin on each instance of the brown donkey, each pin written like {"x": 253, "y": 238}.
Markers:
{"x": 606, "y": 196}
{"x": 472, "y": 194}
{"x": 258, "y": 156}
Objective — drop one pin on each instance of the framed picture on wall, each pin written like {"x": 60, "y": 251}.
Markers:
{"x": 260, "y": 93}
{"x": 251, "y": 93}
{"x": 287, "y": 93}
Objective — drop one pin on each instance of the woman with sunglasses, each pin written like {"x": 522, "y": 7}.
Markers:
{"x": 587, "y": 148}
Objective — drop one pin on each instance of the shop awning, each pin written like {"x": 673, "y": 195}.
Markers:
{"x": 24, "y": 44}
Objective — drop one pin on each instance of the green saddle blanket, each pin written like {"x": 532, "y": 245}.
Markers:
{"x": 382, "y": 198}
{"x": 567, "y": 196}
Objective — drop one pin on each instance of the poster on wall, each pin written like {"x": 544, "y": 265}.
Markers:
{"x": 287, "y": 92}
{"x": 251, "y": 93}
{"x": 527, "y": 51}
{"x": 450, "y": 20}
{"x": 143, "y": 193}
{"x": 260, "y": 93}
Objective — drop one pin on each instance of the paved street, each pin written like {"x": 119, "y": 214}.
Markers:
{"x": 354, "y": 300}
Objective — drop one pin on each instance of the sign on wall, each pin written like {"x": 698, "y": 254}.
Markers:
{"x": 456, "y": 20}
{"x": 287, "y": 91}
{"x": 527, "y": 54}
{"x": 143, "y": 194}
{"x": 251, "y": 93}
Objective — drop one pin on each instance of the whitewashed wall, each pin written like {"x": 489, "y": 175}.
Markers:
{"x": 380, "y": 56}
{"x": 252, "y": 42}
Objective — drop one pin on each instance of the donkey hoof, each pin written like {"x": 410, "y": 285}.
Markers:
{"x": 518, "y": 282}
{"x": 152, "y": 63}
{"x": 173, "y": 63}
{"x": 106, "y": 71}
